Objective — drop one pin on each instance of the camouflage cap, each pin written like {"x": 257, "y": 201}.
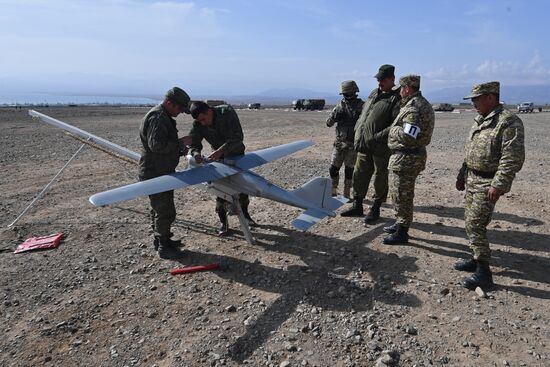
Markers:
{"x": 484, "y": 88}
{"x": 385, "y": 71}
{"x": 348, "y": 87}
{"x": 179, "y": 97}
{"x": 410, "y": 80}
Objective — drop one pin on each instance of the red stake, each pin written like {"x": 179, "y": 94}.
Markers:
{"x": 192, "y": 269}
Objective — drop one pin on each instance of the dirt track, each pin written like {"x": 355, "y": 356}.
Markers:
{"x": 332, "y": 297}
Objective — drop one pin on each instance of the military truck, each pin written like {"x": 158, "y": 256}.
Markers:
{"x": 444, "y": 107}
{"x": 254, "y": 106}
{"x": 308, "y": 104}
{"x": 298, "y": 104}
{"x": 314, "y": 104}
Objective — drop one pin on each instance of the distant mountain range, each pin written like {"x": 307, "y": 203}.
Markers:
{"x": 539, "y": 94}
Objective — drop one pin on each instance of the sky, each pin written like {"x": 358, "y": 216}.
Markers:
{"x": 240, "y": 47}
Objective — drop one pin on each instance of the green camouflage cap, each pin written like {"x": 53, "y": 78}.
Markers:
{"x": 484, "y": 88}
{"x": 410, "y": 80}
{"x": 349, "y": 86}
{"x": 179, "y": 97}
{"x": 385, "y": 71}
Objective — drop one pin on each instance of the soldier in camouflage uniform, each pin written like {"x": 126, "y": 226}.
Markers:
{"x": 161, "y": 151}
{"x": 409, "y": 135}
{"x": 219, "y": 126}
{"x": 370, "y": 142}
{"x": 495, "y": 152}
{"x": 344, "y": 115}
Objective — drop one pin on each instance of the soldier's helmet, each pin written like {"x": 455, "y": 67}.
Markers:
{"x": 349, "y": 87}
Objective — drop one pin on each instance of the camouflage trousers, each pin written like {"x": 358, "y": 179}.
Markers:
{"x": 163, "y": 214}
{"x": 344, "y": 157}
{"x": 224, "y": 205}
{"x": 402, "y": 195}
{"x": 477, "y": 215}
{"x": 369, "y": 166}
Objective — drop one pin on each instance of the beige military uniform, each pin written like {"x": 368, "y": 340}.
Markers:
{"x": 495, "y": 152}
{"x": 409, "y": 135}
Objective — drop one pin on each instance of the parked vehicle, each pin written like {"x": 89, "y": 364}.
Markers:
{"x": 445, "y": 107}
{"x": 526, "y": 107}
{"x": 254, "y": 106}
{"x": 308, "y": 104}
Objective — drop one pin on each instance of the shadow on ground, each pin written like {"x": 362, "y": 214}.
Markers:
{"x": 458, "y": 213}
{"x": 324, "y": 281}
{"x": 519, "y": 266}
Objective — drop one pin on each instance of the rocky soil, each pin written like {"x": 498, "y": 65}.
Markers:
{"x": 334, "y": 296}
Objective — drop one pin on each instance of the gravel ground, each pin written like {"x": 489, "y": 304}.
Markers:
{"x": 334, "y": 296}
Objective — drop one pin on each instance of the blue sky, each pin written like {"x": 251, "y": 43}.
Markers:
{"x": 248, "y": 46}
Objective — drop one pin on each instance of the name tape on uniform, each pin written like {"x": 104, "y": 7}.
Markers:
{"x": 412, "y": 130}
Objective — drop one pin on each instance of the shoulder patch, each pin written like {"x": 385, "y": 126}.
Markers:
{"x": 411, "y": 130}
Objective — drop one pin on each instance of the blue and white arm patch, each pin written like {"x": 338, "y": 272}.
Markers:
{"x": 411, "y": 130}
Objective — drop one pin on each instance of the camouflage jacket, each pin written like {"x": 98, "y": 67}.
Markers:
{"x": 225, "y": 133}
{"x": 410, "y": 133}
{"x": 345, "y": 115}
{"x": 495, "y": 145}
{"x": 160, "y": 152}
{"x": 371, "y": 129}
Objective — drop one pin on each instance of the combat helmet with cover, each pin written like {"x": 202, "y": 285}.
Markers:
{"x": 349, "y": 87}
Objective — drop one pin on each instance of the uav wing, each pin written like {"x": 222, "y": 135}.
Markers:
{"x": 85, "y": 135}
{"x": 209, "y": 172}
{"x": 262, "y": 156}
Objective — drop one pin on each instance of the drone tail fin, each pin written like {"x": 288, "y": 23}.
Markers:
{"x": 319, "y": 193}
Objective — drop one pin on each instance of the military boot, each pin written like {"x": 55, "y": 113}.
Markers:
{"x": 374, "y": 213}
{"x": 167, "y": 242}
{"x": 466, "y": 265}
{"x": 347, "y": 190}
{"x": 174, "y": 243}
{"x": 335, "y": 181}
{"x": 391, "y": 229}
{"x": 247, "y": 216}
{"x": 481, "y": 278}
{"x": 224, "y": 227}
{"x": 401, "y": 235}
{"x": 356, "y": 210}
{"x": 167, "y": 250}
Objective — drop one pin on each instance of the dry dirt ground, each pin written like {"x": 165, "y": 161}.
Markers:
{"x": 335, "y": 296}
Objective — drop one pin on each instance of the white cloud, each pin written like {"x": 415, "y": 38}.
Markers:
{"x": 532, "y": 72}
{"x": 537, "y": 68}
{"x": 491, "y": 68}
{"x": 529, "y": 72}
